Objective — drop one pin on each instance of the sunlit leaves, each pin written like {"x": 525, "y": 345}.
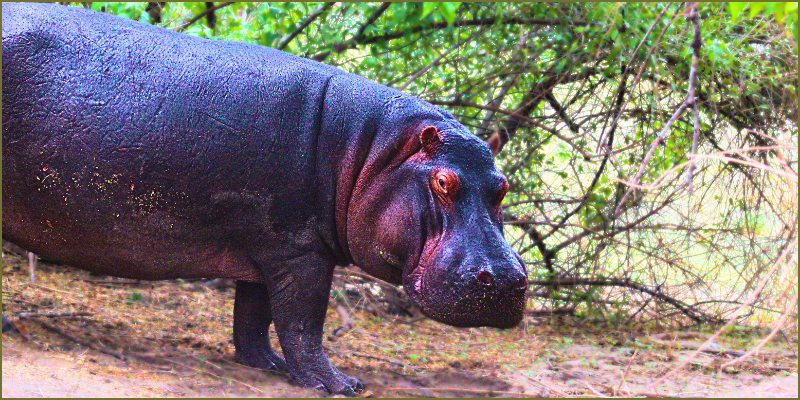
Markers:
{"x": 784, "y": 12}
{"x": 448, "y": 11}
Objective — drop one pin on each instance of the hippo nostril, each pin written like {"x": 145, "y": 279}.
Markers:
{"x": 522, "y": 284}
{"x": 485, "y": 277}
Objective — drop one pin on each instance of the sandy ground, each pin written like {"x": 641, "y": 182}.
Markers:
{"x": 31, "y": 372}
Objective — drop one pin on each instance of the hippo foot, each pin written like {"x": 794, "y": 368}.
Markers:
{"x": 266, "y": 361}
{"x": 333, "y": 382}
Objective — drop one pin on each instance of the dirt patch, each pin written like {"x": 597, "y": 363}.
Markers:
{"x": 28, "y": 372}
{"x": 176, "y": 338}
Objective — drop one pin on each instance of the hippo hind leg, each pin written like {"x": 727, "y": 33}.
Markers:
{"x": 251, "y": 320}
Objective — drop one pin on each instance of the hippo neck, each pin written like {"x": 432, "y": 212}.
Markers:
{"x": 365, "y": 126}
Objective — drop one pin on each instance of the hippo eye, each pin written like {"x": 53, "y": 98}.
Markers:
{"x": 445, "y": 184}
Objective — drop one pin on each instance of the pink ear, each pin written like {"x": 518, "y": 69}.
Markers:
{"x": 431, "y": 140}
{"x": 494, "y": 144}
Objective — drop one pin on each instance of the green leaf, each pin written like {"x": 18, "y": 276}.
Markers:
{"x": 560, "y": 66}
{"x": 427, "y": 8}
{"x": 448, "y": 11}
{"x": 779, "y": 13}
{"x": 755, "y": 8}
{"x": 98, "y": 5}
{"x": 736, "y": 8}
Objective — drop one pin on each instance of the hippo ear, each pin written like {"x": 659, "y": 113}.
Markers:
{"x": 431, "y": 139}
{"x": 494, "y": 144}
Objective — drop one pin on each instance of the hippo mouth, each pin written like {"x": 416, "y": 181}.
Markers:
{"x": 389, "y": 258}
{"x": 413, "y": 286}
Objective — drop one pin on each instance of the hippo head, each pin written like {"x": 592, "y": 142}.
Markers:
{"x": 427, "y": 213}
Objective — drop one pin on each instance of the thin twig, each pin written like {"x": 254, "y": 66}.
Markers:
{"x": 720, "y": 156}
{"x": 497, "y": 101}
{"x": 311, "y": 17}
{"x": 197, "y": 17}
{"x": 514, "y": 114}
{"x": 32, "y": 266}
{"x": 53, "y": 290}
{"x": 732, "y": 319}
{"x": 362, "y": 40}
{"x": 695, "y": 57}
{"x": 358, "y": 37}
{"x": 593, "y": 390}
{"x": 769, "y": 337}
{"x": 496, "y": 109}
{"x": 113, "y": 282}
{"x": 639, "y": 75}
{"x": 434, "y": 62}
{"x": 548, "y": 387}
{"x": 622, "y": 283}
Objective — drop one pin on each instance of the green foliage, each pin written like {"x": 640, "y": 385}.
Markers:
{"x": 785, "y": 14}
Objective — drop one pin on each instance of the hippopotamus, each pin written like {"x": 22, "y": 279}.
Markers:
{"x": 134, "y": 151}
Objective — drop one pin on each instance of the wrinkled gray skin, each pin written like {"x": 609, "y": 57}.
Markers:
{"x": 133, "y": 151}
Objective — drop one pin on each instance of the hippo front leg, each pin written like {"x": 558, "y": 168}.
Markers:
{"x": 299, "y": 294}
{"x": 251, "y": 319}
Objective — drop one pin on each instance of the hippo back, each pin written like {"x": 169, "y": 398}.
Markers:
{"x": 133, "y": 140}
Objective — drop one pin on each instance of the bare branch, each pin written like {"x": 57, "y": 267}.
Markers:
{"x": 600, "y": 142}
{"x": 696, "y": 43}
{"x": 685, "y": 309}
{"x": 691, "y": 11}
{"x": 434, "y": 62}
{"x": 311, "y": 17}
{"x": 197, "y": 17}
{"x": 359, "y": 36}
{"x": 361, "y": 40}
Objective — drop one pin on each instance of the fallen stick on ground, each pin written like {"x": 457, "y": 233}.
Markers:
{"x": 257, "y": 390}
{"x": 54, "y": 314}
{"x": 460, "y": 390}
{"x": 593, "y": 390}
{"x": 625, "y": 374}
{"x": 112, "y": 282}
{"x": 396, "y": 363}
{"x": 552, "y": 389}
{"x": 392, "y": 362}
{"x": 755, "y": 350}
{"x": 82, "y": 342}
{"x": 53, "y": 290}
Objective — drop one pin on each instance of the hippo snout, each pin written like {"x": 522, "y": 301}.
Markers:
{"x": 514, "y": 281}
{"x": 492, "y": 294}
